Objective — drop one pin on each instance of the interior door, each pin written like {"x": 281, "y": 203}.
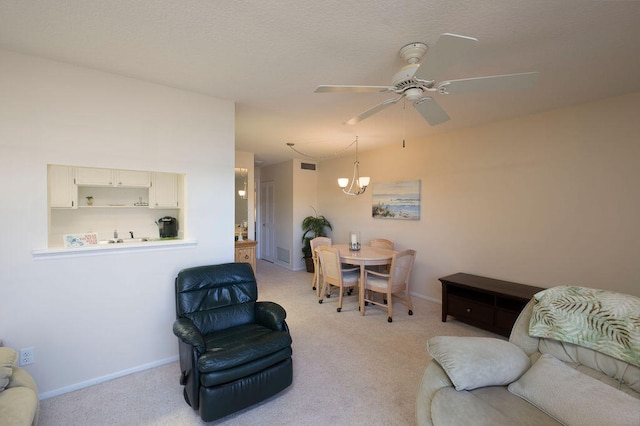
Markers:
{"x": 267, "y": 229}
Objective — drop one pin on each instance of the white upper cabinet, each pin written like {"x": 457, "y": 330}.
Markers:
{"x": 89, "y": 176}
{"x": 164, "y": 191}
{"x": 132, "y": 178}
{"x": 63, "y": 193}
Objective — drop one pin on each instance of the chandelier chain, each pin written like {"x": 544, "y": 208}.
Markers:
{"x": 321, "y": 157}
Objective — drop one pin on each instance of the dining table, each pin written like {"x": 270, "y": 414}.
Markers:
{"x": 366, "y": 256}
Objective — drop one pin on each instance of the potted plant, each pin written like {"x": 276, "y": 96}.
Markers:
{"x": 89, "y": 200}
{"x": 312, "y": 227}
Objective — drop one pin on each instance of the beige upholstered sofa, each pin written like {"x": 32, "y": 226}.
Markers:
{"x": 531, "y": 380}
{"x": 19, "y": 403}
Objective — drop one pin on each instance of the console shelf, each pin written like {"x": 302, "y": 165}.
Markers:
{"x": 486, "y": 303}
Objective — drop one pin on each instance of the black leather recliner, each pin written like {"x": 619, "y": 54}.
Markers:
{"x": 234, "y": 351}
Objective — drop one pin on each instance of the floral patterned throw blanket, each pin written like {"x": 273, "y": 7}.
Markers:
{"x": 601, "y": 320}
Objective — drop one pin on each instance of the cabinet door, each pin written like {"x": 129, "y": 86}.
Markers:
{"x": 63, "y": 193}
{"x": 163, "y": 193}
{"x": 246, "y": 255}
{"x": 132, "y": 178}
{"x": 94, "y": 177}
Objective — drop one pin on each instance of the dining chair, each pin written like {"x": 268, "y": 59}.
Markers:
{"x": 385, "y": 244}
{"x": 382, "y": 243}
{"x": 389, "y": 283}
{"x": 317, "y": 272}
{"x": 334, "y": 275}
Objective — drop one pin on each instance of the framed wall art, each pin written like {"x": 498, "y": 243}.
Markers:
{"x": 396, "y": 200}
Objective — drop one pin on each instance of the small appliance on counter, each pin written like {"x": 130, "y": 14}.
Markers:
{"x": 168, "y": 227}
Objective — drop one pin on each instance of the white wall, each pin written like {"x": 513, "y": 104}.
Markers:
{"x": 295, "y": 193}
{"x": 94, "y": 317}
{"x": 546, "y": 200}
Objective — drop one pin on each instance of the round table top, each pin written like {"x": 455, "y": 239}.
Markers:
{"x": 365, "y": 252}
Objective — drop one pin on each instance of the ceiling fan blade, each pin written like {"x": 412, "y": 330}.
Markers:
{"x": 431, "y": 111}
{"x": 492, "y": 83}
{"x": 368, "y": 113}
{"x": 352, "y": 89}
{"x": 448, "y": 50}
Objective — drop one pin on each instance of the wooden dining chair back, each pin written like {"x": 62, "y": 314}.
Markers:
{"x": 315, "y": 243}
{"x": 382, "y": 243}
{"x": 395, "y": 281}
{"x": 334, "y": 275}
{"x": 385, "y": 244}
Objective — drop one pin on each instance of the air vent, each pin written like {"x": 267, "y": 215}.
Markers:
{"x": 307, "y": 166}
{"x": 283, "y": 255}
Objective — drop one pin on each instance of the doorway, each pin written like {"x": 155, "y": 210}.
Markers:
{"x": 267, "y": 221}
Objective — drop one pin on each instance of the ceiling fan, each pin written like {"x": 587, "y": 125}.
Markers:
{"x": 416, "y": 81}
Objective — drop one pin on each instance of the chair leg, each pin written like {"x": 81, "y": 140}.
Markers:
{"x": 340, "y": 299}
{"x": 390, "y": 306}
{"x": 319, "y": 281}
{"x": 313, "y": 279}
{"x": 321, "y": 290}
{"x": 409, "y": 301}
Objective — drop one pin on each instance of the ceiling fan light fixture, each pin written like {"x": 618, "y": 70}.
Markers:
{"x": 413, "y": 94}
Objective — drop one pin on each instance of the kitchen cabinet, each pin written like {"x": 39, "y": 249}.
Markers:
{"x": 246, "y": 253}
{"x": 132, "y": 178}
{"x": 89, "y": 176}
{"x": 63, "y": 193}
{"x": 94, "y": 177}
{"x": 163, "y": 193}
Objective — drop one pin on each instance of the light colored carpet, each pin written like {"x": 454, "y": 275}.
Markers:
{"x": 347, "y": 369}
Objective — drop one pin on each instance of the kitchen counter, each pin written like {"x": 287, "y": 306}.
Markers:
{"x": 116, "y": 248}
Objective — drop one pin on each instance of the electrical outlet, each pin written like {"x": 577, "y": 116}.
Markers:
{"x": 27, "y": 356}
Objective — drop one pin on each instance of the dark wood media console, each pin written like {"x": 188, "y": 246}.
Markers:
{"x": 486, "y": 303}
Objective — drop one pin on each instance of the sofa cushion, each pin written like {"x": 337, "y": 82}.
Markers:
{"x": 575, "y": 398}
{"x": 8, "y": 359}
{"x": 490, "y": 406}
{"x": 473, "y": 362}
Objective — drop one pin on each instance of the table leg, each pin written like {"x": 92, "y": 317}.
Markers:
{"x": 361, "y": 290}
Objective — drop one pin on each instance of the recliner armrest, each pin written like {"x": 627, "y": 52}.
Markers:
{"x": 271, "y": 315}
{"x": 186, "y": 331}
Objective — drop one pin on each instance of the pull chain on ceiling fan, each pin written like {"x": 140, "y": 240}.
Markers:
{"x": 416, "y": 81}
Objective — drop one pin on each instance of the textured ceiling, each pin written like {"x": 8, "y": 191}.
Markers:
{"x": 269, "y": 55}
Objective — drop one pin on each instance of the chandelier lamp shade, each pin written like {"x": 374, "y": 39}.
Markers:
{"x": 358, "y": 184}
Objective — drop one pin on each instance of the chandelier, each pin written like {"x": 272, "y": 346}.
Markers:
{"x": 358, "y": 184}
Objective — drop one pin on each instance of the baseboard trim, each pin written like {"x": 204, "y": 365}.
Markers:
{"x": 97, "y": 380}
{"x": 430, "y": 299}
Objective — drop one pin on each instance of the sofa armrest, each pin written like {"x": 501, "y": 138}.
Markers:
{"x": 186, "y": 331}
{"x": 20, "y": 378}
{"x": 271, "y": 315}
{"x": 433, "y": 379}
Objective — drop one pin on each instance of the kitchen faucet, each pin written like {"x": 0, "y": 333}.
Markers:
{"x": 131, "y": 233}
